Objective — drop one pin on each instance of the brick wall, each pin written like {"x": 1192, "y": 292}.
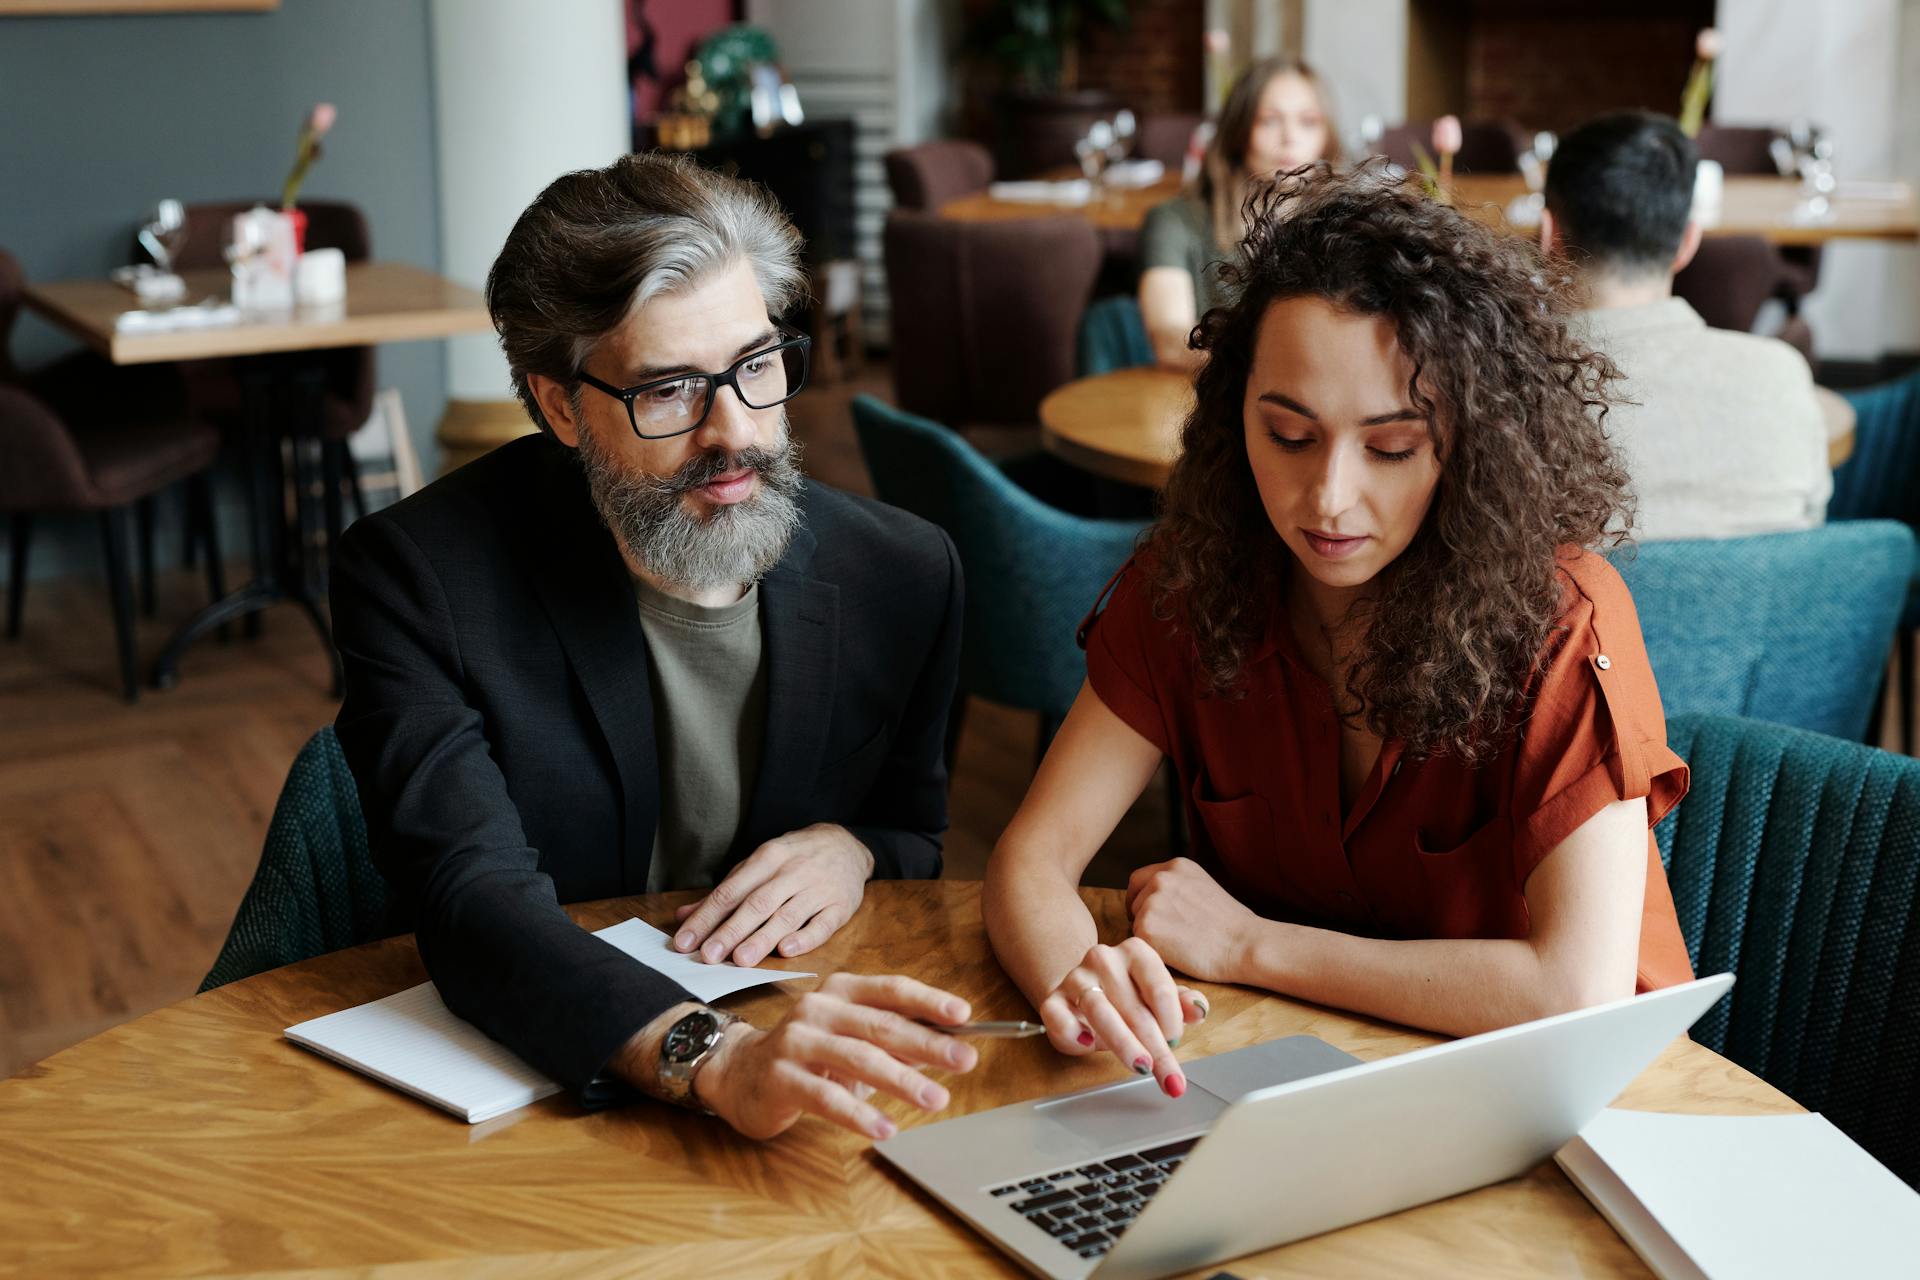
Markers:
{"x": 1156, "y": 63}
{"x": 1554, "y": 69}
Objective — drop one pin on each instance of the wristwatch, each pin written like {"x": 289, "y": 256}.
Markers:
{"x": 689, "y": 1042}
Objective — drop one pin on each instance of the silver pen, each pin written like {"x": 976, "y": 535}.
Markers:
{"x": 994, "y": 1030}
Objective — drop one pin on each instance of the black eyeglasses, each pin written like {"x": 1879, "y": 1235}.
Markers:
{"x": 674, "y": 406}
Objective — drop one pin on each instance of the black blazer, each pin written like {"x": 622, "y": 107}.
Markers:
{"x": 499, "y": 722}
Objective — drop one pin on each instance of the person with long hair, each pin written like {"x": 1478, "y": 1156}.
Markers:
{"x": 1277, "y": 117}
{"x": 1405, "y": 696}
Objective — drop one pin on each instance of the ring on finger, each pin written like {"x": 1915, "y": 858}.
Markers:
{"x": 1092, "y": 988}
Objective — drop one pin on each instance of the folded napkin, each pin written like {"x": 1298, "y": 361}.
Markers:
{"x": 1076, "y": 191}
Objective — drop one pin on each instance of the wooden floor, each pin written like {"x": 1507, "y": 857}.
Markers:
{"x": 129, "y": 834}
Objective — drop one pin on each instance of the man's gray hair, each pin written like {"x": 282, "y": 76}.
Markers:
{"x": 598, "y": 243}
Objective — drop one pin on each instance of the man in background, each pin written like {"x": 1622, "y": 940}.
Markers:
{"x": 1722, "y": 432}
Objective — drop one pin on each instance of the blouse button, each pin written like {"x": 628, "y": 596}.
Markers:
{"x": 1603, "y": 662}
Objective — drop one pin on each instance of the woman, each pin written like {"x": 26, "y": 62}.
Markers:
{"x": 1275, "y": 119}
{"x": 1409, "y": 705}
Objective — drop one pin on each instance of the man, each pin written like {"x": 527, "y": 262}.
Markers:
{"x": 1722, "y": 434}
{"x": 639, "y": 651}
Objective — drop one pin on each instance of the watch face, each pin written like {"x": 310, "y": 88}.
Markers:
{"x": 689, "y": 1037}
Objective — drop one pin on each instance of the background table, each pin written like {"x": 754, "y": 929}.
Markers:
{"x": 385, "y": 302}
{"x": 1112, "y": 209}
{"x": 1125, "y": 425}
{"x": 197, "y": 1140}
{"x": 1750, "y": 206}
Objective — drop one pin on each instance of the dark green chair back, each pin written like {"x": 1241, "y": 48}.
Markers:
{"x": 1794, "y": 628}
{"x": 1033, "y": 572}
{"x": 1793, "y": 862}
{"x": 317, "y": 889}
{"x": 1113, "y": 336}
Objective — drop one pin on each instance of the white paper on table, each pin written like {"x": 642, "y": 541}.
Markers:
{"x": 1745, "y": 1196}
{"x": 414, "y": 1043}
{"x": 1134, "y": 173}
{"x": 1073, "y": 191}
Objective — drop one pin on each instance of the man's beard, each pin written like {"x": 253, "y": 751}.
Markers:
{"x": 732, "y": 545}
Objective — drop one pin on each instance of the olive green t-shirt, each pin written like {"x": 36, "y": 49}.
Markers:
{"x": 1179, "y": 233}
{"x": 710, "y": 721}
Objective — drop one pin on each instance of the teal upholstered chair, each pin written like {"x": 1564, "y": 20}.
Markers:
{"x": 1794, "y": 861}
{"x": 1880, "y": 480}
{"x": 1788, "y": 627}
{"x": 1113, "y": 336}
{"x": 316, "y": 889}
{"x": 1033, "y": 572}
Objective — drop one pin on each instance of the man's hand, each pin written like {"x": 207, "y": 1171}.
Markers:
{"x": 791, "y": 894}
{"x": 835, "y": 1047}
{"x": 1195, "y": 925}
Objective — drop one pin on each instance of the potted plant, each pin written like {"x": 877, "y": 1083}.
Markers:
{"x": 1032, "y": 48}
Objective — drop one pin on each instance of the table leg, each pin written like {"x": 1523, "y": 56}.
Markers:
{"x": 280, "y": 561}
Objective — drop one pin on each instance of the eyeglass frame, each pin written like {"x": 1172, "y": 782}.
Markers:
{"x": 728, "y": 377}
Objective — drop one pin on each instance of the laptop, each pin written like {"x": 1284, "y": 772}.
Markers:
{"x": 1280, "y": 1141}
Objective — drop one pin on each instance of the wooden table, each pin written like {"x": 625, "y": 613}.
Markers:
{"x": 1116, "y": 212}
{"x": 196, "y": 1140}
{"x": 1125, "y": 425}
{"x": 1750, "y": 206}
{"x": 385, "y": 302}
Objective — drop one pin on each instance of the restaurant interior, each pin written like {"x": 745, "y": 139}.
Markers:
{"x": 207, "y": 378}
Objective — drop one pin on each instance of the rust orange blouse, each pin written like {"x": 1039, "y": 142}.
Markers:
{"x": 1431, "y": 848}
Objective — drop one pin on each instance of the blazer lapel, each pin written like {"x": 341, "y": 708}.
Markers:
{"x": 588, "y": 594}
{"x": 800, "y": 619}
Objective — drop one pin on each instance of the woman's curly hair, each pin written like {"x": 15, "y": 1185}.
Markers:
{"x": 1516, "y": 405}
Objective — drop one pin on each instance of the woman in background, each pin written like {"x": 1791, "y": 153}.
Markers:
{"x": 1277, "y": 117}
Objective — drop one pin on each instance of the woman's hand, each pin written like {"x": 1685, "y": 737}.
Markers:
{"x": 1184, "y": 915}
{"x": 1123, "y": 1000}
{"x": 837, "y": 1045}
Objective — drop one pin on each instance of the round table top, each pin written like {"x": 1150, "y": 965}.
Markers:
{"x": 196, "y": 1139}
{"x": 1125, "y": 425}
{"x": 1111, "y": 209}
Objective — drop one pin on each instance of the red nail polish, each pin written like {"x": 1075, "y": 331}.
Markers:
{"x": 1175, "y": 1086}
{"x": 1086, "y": 1038}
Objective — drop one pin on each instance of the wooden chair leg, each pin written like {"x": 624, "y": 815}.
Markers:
{"x": 114, "y": 532}
{"x": 207, "y": 524}
{"x": 20, "y": 539}
{"x": 143, "y": 516}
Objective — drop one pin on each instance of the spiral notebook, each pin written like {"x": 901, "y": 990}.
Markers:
{"x": 414, "y": 1043}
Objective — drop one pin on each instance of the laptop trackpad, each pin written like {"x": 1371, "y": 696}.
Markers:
{"x": 1131, "y": 1112}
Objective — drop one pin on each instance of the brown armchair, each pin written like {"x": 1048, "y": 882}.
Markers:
{"x": 1486, "y": 146}
{"x": 110, "y": 460}
{"x": 986, "y": 314}
{"x": 929, "y": 175}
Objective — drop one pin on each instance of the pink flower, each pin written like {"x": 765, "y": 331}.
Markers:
{"x": 321, "y": 118}
{"x": 1447, "y": 135}
{"x": 1708, "y": 44}
{"x": 1218, "y": 42}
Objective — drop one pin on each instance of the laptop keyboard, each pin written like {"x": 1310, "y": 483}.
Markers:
{"x": 1086, "y": 1208}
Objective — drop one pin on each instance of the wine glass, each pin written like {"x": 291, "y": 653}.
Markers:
{"x": 164, "y": 234}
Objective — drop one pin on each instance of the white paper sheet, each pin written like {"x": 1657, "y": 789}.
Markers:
{"x": 414, "y": 1043}
{"x": 1745, "y": 1196}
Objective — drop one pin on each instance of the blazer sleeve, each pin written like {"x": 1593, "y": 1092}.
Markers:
{"x": 904, "y": 815}
{"x": 449, "y": 840}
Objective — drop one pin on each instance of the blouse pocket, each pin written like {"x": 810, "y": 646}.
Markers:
{"x": 1240, "y": 832}
{"x": 1470, "y": 887}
